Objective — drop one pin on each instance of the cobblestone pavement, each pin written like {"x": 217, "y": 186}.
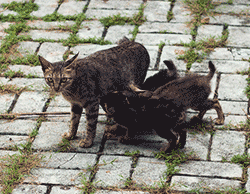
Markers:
{"x": 53, "y": 37}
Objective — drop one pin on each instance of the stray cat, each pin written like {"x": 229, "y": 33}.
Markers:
{"x": 165, "y": 107}
{"x": 85, "y": 82}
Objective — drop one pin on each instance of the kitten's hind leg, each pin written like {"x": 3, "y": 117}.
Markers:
{"x": 92, "y": 110}
{"x": 76, "y": 112}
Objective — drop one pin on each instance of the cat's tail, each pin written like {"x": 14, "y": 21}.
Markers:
{"x": 212, "y": 70}
{"x": 123, "y": 40}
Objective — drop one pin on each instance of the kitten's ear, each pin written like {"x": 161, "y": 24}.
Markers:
{"x": 45, "y": 64}
{"x": 170, "y": 64}
{"x": 71, "y": 62}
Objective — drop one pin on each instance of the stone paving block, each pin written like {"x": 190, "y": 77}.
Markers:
{"x": 220, "y": 54}
{"x": 87, "y": 49}
{"x": 233, "y": 9}
{"x": 154, "y": 27}
{"x": 207, "y": 31}
{"x": 114, "y": 174}
{"x": 5, "y": 102}
{"x": 7, "y": 12}
{"x": 187, "y": 183}
{"x": 156, "y": 10}
{"x": 172, "y": 53}
{"x": 55, "y": 176}
{"x": 34, "y": 84}
{"x": 52, "y": 52}
{"x": 28, "y": 47}
{"x": 232, "y": 120}
{"x": 198, "y": 144}
{"x": 115, "y": 33}
{"x": 180, "y": 13}
{"x": 229, "y": 19}
{"x": 26, "y": 69}
{"x": 226, "y": 144}
{"x": 65, "y": 190}
{"x": 59, "y": 101}
{"x": 239, "y": 108}
{"x": 231, "y": 66}
{"x": 11, "y": 140}
{"x": 44, "y": 7}
{"x": 50, "y": 135}
{"x": 147, "y": 144}
{"x": 90, "y": 29}
{"x": 30, "y": 189}
{"x": 153, "y": 53}
{"x": 248, "y": 180}
{"x": 149, "y": 171}
{"x": 100, "y": 13}
{"x": 114, "y": 4}
{"x": 238, "y": 36}
{"x": 17, "y": 127}
{"x": 52, "y": 35}
{"x": 210, "y": 169}
{"x": 39, "y": 24}
{"x": 156, "y": 39}
{"x": 29, "y": 102}
{"x": 235, "y": 83}
{"x": 71, "y": 7}
{"x": 120, "y": 192}
{"x": 4, "y": 153}
{"x": 5, "y": 25}
{"x": 240, "y": 53}
{"x": 68, "y": 160}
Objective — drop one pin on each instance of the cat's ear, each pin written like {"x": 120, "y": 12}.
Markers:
{"x": 45, "y": 64}
{"x": 71, "y": 62}
{"x": 170, "y": 64}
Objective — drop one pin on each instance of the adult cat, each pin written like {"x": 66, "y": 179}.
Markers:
{"x": 84, "y": 82}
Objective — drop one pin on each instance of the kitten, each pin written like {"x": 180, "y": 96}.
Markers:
{"x": 85, "y": 82}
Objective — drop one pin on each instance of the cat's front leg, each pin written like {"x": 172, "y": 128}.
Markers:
{"x": 92, "y": 110}
{"x": 76, "y": 112}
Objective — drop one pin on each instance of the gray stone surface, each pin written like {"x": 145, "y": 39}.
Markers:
{"x": 45, "y": 7}
{"x": 240, "y": 53}
{"x": 17, "y": 127}
{"x": 157, "y": 10}
{"x": 168, "y": 28}
{"x": 27, "y": 70}
{"x": 52, "y": 52}
{"x": 168, "y": 39}
{"x": 5, "y": 102}
{"x": 115, "y": 33}
{"x": 34, "y": 84}
{"x": 120, "y": 192}
{"x": 207, "y": 31}
{"x": 235, "y": 83}
{"x": 90, "y": 29}
{"x": 180, "y": 13}
{"x": 29, "y": 102}
{"x": 39, "y": 24}
{"x": 114, "y": 4}
{"x": 71, "y": 7}
{"x": 238, "y": 108}
{"x": 238, "y": 36}
{"x": 248, "y": 181}
{"x": 221, "y": 54}
{"x": 51, "y": 35}
{"x": 28, "y": 47}
{"x": 100, "y": 13}
{"x": 65, "y": 190}
{"x": 114, "y": 174}
{"x": 68, "y": 160}
{"x": 56, "y": 176}
{"x": 226, "y": 144}
{"x": 29, "y": 189}
{"x": 211, "y": 169}
{"x": 12, "y": 140}
{"x": 149, "y": 172}
{"x": 187, "y": 183}
{"x": 153, "y": 53}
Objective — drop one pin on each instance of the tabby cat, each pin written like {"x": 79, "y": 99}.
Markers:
{"x": 85, "y": 82}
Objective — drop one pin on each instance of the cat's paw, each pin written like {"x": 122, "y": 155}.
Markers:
{"x": 68, "y": 136}
{"x": 85, "y": 143}
{"x": 219, "y": 121}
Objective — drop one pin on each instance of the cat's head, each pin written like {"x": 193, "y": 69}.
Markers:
{"x": 58, "y": 75}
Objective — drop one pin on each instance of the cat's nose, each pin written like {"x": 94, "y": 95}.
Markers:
{"x": 56, "y": 88}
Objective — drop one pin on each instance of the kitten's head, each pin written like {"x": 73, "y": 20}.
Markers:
{"x": 58, "y": 75}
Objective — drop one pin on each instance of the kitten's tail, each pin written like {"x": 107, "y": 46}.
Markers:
{"x": 212, "y": 70}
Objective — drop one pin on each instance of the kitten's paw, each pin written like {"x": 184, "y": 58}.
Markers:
{"x": 219, "y": 121}
{"x": 195, "y": 119}
{"x": 68, "y": 136}
{"x": 124, "y": 139}
{"x": 85, "y": 143}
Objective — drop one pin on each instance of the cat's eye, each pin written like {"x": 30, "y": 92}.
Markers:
{"x": 50, "y": 79}
{"x": 64, "y": 80}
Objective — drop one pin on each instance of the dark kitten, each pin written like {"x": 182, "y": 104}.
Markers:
{"x": 85, "y": 82}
